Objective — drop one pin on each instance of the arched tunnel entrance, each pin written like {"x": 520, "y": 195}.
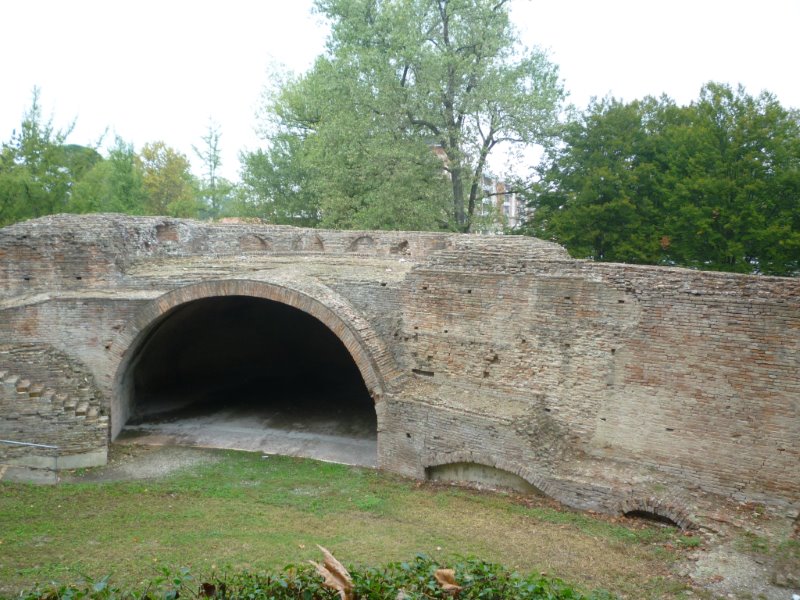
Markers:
{"x": 250, "y": 373}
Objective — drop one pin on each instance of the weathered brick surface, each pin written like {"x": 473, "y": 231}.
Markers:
{"x": 55, "y": 403}
{"x": 611, "y": 387}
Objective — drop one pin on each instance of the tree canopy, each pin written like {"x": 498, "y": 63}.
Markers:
{"x": 372, "y": 138}
{"x": 168, "y": 182}
{"x": 37, "y": 168}
{"x": 394, "y": 126}
{"x": 112, "y": 185}
{"x": 41, "y": 173}
{"x": 713, "y": 185}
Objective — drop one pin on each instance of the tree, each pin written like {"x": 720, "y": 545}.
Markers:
{"x": 334, "y": 161}
{"x": 712, "y": 185}
{"x": 405, "y": 80}
{"x": 735, "y": 203}
{"x": 601, "y": 192}
{"x": 214, "y": 190}
{"x": 276, "y": 186}
{"x": 34, "y": 176}
{"x": 112, "y": 185}
{"x": 168, "y": 182}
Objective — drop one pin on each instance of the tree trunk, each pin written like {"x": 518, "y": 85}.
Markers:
{"x": 458, "y": 200}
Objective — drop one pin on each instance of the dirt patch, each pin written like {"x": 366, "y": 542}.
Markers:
{"x": 134, "y": 462}
{"x": 748, "y": 555}
{"x": 727, "y": 572}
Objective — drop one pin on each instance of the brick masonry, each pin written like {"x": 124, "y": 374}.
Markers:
{"x": 55, "y": 404}
{"x": 609, "y": 387}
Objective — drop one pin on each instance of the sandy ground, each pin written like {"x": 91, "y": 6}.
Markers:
{"x": 306, "y": 429}
{"x": 133, "y": 462}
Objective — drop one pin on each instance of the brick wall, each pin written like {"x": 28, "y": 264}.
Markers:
{"x": 49, "y": 398}
{"x": 606, "y": 386}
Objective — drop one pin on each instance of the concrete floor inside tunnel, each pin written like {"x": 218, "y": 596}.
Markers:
{"x": 250, "y": 374}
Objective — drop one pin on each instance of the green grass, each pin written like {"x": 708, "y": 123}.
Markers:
{"x": 757, "y": 544}
{"x": 246, "y": 512}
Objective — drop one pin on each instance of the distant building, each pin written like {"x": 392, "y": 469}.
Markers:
{"x": 509, "y": 205}
{"x": 498, "y": 209}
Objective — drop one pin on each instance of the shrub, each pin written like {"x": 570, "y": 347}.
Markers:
{"x": 412, "y": 580}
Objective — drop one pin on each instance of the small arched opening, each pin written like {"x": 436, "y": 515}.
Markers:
{"x": 251, "y": 373}
{"x": 652, "y": 517}
{"x": 657, "y": 511}
{"x": 481, "y": 476}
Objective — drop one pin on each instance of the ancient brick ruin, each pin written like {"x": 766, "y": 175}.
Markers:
{"x": 609, "y": 387}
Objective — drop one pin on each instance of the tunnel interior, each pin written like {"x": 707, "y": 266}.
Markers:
{"x": 240, "y": 362}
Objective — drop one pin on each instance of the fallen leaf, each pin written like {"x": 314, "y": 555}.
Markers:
{"x": 335, "y": 575}
{"x": 447, "y": 580}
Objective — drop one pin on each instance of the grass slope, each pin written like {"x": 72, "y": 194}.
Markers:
{"x": 241, "y": 511}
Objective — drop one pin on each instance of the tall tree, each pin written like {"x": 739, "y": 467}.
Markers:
{"x": 735, "y": 203}
{"x": 402, "y": 81}
{"x": 168, "y": 181}
{"x": 34, "y": 176}
{"x": 333, "y": 160}
{"x": 601, "y": 192}
{"x": 713, "y": 185}
{"x": 214, "y": 190}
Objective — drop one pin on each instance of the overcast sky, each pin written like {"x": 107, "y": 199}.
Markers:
{"x": 160, "y": 69}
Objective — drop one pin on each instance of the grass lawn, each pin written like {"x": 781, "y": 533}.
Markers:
{"x": 241, "y": 511}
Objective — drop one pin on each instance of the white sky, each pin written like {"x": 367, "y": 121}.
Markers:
{"x": 160, "y": 69}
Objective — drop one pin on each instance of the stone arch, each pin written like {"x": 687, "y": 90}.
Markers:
{"x": 251, "y": 242}
{"x": 670, "y": 511}
{"x": 362, "y": 243}
{"x": 308, "y": 243}
{"x": 480, "y": 458}
{"x": 367, "y": 350}
{"x": 401, "y": 247}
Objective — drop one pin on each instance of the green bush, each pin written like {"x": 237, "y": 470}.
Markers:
{"x": 413, "y": 580}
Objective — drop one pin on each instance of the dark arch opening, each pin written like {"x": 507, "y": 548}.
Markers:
{"x": 250, "y": 373}
{"x": 651, "y": 516}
